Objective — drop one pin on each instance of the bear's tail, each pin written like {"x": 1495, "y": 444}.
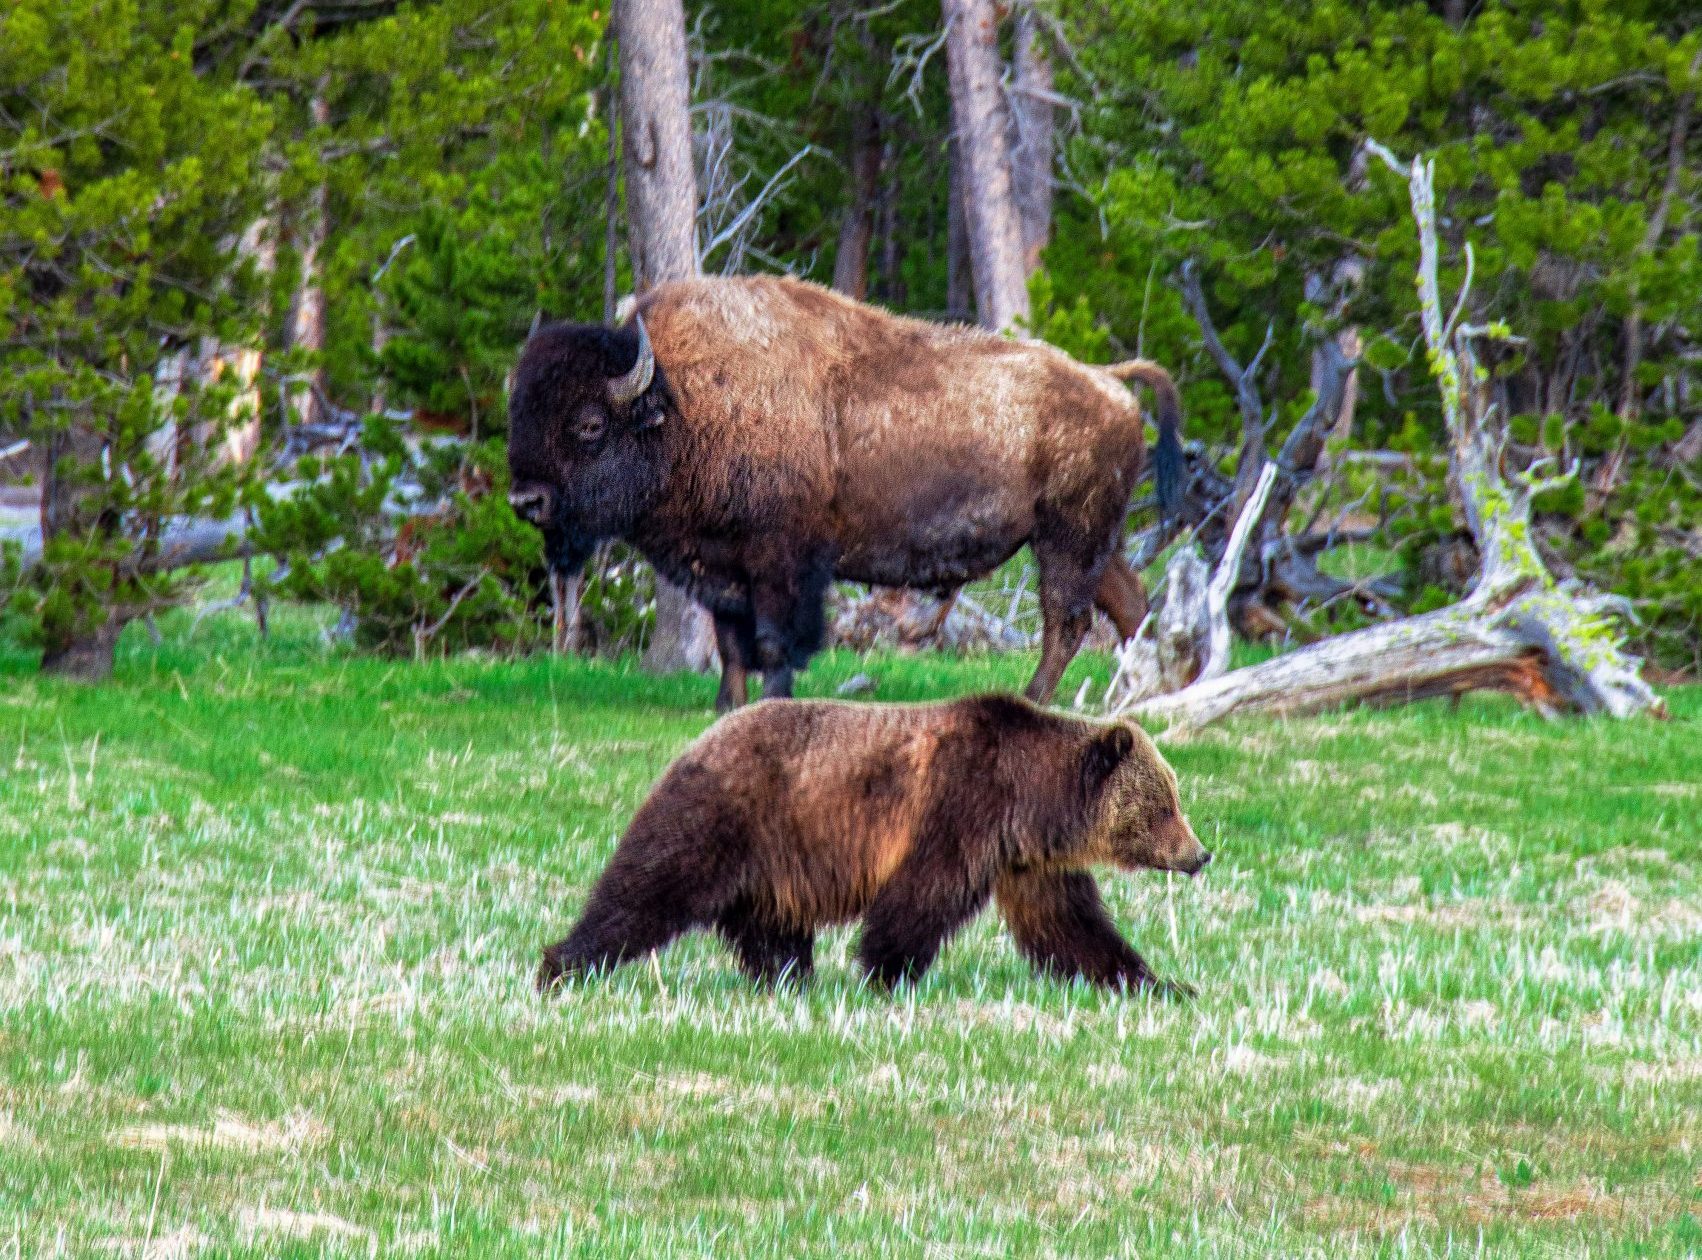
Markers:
{"x": 1167, "y": 455}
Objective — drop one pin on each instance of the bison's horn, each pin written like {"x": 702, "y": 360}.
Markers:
{"x": 623, "y": 389}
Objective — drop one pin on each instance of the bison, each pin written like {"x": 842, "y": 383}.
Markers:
{"x": 757, "y": 437}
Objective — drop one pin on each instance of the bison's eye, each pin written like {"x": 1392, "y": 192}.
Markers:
{"x": 589, "y": 423}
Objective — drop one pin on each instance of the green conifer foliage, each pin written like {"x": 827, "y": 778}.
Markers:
{"x": 128, "y": 181}
{"x": 1234, "y": 133}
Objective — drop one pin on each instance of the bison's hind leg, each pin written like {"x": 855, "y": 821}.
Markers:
{"x": 767, "y": 953}
{"x": 1066, "y": 611}
{"x": 1122, "y": 597}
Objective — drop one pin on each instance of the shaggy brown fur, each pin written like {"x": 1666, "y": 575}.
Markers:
{"x": 791, "y": 435}
{"x": 785, "y": 818}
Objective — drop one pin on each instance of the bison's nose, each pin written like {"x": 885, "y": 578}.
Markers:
{"x": 531, "y": 503}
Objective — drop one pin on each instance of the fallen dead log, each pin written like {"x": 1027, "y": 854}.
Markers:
{"x": 182, "y": 544}
{"x": 1520, "y": 630}
{"x": 1467, "y": 647}
{"x": 187, "y": 541}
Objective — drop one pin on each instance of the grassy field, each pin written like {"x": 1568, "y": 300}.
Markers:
{"x": 269, "y": 917}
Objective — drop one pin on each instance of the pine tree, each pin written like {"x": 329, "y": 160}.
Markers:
{"x": 129, "y": 184}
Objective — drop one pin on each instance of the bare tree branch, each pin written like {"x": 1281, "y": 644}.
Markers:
{"x": 756, "y": 204}
{"x": 424, "y": 634}
{"x": 1519, "y": 629}
{"x": 912, "y": 53}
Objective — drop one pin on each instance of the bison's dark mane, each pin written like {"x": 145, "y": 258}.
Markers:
{"x": 560, "y": 358}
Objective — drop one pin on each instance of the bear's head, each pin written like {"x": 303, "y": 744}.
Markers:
{"x": 1141, "y": 824}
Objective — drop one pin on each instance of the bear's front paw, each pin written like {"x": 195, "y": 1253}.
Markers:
{"x": 551, "y": 973}
{"x": 1173, "y": 990}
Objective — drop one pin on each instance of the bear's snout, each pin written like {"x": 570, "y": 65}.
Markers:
{"x": 1175, "y": 847}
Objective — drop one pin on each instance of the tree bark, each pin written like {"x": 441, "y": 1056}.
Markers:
{"x": 1349, "y": 343}
{"x": 981, "y": 124}
{"x": 661, "y": 186}
{"x": 857, "y": 226}
{"x": 238, "y": 366}
{"x": 86, "y": 659}
{"x": 611, "y": 201}
{"x": 661, "y": 207}
{"x": 378, "y": 400}
{"x": 1032, "y": 134}
{"x": 307, "y": 312}
{"x": 960, "y": 279}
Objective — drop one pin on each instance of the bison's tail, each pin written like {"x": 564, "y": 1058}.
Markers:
{"x": 1167, "y": 455}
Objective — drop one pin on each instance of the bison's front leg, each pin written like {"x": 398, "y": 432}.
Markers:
{"x": 777, "y": 684}
{"x": 788, "y": 593}
{"x": 773, "y": 599}
{"x": 735, "y": 640}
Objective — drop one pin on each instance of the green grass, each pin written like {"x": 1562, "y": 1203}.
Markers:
{"x": 269, "y": 916}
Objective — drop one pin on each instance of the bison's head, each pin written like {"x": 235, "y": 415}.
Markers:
{"x": 584, "y": 434}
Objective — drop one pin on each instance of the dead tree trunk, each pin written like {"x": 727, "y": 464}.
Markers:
{"x": 857, "y": 226}
{"x": 307, "y": 313}
{"x": 1349, "y": 344}
{"x": 1278, "y": 570}
{"x": 661, "y": 206}
{"x": 1032, "y": 134}
{"x": 960, "y": 279}
{"x": 237, "y": 366}
{"x": 1519, "y": 630}
{"x": 982, "y": 127}
{"x": 1186, "y": 639}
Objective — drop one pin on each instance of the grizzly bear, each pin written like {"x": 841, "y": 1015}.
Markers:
{"x": 790, "y": 816}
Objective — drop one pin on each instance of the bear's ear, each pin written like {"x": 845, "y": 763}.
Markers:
{"x": 1108, "y": 750}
